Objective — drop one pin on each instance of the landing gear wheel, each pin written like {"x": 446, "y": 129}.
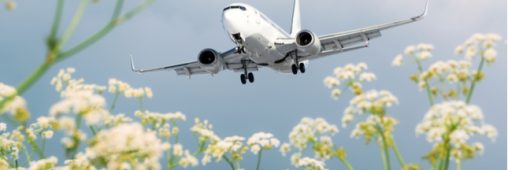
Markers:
{"x": 294, "y": 69}
{"x": 250, "y": 76}
{"x": 302, "y": 68}
{"x": 242, "y": 79}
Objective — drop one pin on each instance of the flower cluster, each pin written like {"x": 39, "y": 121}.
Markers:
{"x": 350, "y": 76}
{"x": 419, "y": 53}
{"x": 10, "y": 144}
{"x": 233, "y": 145}
{"x": 373, "y": 101}
{"x": 454, "y": 123}
{"x": 203, "y": 129}
{"x": 262, "y": 141}
{"x": 119, "y": 87}
{"x": 82, "y": 99}
{"x": 479, "y": 45}
{"x": 315, "y": 134}
{"x": 310, "y": 164}
{"x": 16, "y": 107}
{"x": 158, "y": 119}
{"x": 48, "y": 163}
{"x": 127, "y": 145}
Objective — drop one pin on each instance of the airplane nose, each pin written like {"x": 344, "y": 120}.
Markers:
{"x": 228, "y": 18}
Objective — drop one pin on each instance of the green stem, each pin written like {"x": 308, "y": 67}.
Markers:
{"x": 473, "y": 83}
{"x": 447, "y": 158}
{"x": 398, "y": 155}
{"x": 229, "y": 162}
{"x": 74, "y": 23}
{"x": 427, "y": 86}
{"x": 384, "y": 148}
{"x": 346, "y": 163}
{"x": 25, "y": 151}
{"x": 105, "y": 30}
{"x": 113, "y": 104}
{"x": 260, "y": 155}
{"x": 458, "y": 164}
{"x": 56, "y": 22}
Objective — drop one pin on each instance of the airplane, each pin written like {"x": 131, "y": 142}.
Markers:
{"x": 262, "y": 43}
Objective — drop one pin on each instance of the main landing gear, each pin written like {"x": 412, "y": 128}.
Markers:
{"x": 246, "y": 75}
{"x": 297, "y": 66}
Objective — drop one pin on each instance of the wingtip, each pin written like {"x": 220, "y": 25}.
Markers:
{"x": 426, "y": 8}
{"x": 133, "y": 68}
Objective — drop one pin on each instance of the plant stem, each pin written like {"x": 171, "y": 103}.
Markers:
{"x": 473, "y": 84}
{"x": 105, "y": 30}
{"x": 113, "y": 104}
{"x": 260, "y": 155}
{"x": 427, "y": 87}
{"x": 56, "y": 22}
{"x": 398, "y": 155}
{"x": 384, "y": 148}
{"x": 346, "y": 163}
{"x": 74, "y": 23}
{"x": 229, "y": 162}
{"x": 458, "y": 164}
{"x": 447, "y": 158}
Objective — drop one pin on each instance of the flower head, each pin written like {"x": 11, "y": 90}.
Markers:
{"x": 455, "y": 122}
{"x": 262, "y": 141}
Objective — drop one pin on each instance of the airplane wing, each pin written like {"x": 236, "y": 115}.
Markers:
{"x": 359, "y": 38}
{"x": 231, "y": 61}
{"x": 351, "y": 40}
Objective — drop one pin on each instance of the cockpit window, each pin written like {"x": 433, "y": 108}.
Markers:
{"x": 235, "y": 7}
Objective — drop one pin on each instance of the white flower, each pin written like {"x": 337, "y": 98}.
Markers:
{"x": 47, "y": 134}
{"x": 177, "y": 149}
{"x": 284, "y": 149}
{"x": 15, "y": 103}
{"x": 127, "y": 143}
{"x": 409, "y": 50}
{"x": 367, "y": 77}
{"x": 310, "y": 163}
{"x": 188, "y": 160}
{"x": 262, "y": 140}
{"x": 331, "y": 82}
{"x": 371, "y": 101}
{"x": 424, "y": 55}
{"x": 308, "y": 130}
{"x": 458, "y": 120}
{"x": 232, "y": 144}
{"x": 48, "y": 163}
{"x": 204, "y": 131}
{"x": 158, "y": 119}
{"x": 397, "y": 61}
{"x": 490, "y": 55}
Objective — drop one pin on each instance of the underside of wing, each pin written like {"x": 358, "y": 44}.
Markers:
{"x": 359, "y": 38}
{"x": 209, "y": 62}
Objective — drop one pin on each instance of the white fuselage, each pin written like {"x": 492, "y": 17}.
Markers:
{"x": 258, "y": 35}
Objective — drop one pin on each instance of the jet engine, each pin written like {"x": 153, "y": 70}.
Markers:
{"x": 210, "y": 60}
{"x": 307, "y": 42}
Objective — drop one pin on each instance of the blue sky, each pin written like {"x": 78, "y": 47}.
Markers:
{"x": 171, "y": 32}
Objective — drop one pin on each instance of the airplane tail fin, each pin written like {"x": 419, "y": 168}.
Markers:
{"x": 296, "y": 24}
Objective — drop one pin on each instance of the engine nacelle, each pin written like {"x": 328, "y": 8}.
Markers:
{"x": 210, "y": 60}
{"x": 307, "y": 42}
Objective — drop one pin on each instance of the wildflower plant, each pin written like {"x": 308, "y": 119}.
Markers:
{"x": 450, "y": 124}
{"x": 314, "y": 135}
